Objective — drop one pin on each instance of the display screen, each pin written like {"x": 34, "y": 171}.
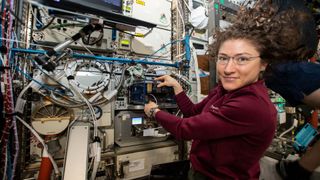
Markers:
{"x": 114, "y": 2}
{"x": 82, "y": 5}
{"x": 136, "y": 120}
{"x": 110, "y": 10}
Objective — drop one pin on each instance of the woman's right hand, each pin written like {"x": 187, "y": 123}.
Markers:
{"x": 169, "y": 81}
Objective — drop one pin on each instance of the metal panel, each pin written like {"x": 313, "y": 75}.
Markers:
{"x": 157, "y": 12}
{"x": 139, "y": 164}
{"x": 76, "y": 160}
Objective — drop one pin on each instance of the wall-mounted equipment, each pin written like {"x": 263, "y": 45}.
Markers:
{"x": 110, "y": 10}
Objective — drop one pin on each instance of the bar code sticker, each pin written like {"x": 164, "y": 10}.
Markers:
{"x": 136, "y": 165}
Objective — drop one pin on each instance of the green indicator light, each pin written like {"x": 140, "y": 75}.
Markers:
{"x": 216, "y": 6}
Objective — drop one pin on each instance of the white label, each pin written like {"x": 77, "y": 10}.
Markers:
{"x": 136, "y": 165}
{"x": 20, "y": 105}
{"x": 282, "y": 117}
{"x": 36, "y": 86}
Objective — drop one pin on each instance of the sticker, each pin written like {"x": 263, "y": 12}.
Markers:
{"x": 125, "y": 42}
{"x": 136, "y": 165}
{"x": 140, "y": 2}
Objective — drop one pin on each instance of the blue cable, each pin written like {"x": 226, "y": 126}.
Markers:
{"x": 187, "y": 48}
{"x": 40, "y": 69}
{"x": 100, "y": 58}
{"x": 3, "y": 4}
{"x": 41, "y": 84}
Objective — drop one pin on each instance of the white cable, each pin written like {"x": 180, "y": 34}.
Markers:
{"x": 180, "y": 55}
{"x": 12, "y": 40}
{"x": 182, "y": 20}
{"x": 5, "y": 167}
{"x": 14, "y": 34}
{"x": 178, "y": 112}
{"x": 75, "y": 90}
{"x": 90, "y": 164}
{"x": 295, "y": 124}
{"x": 34, "y": 16}
{"x": 196, "y": 71}
{"x": 97, "y": 158}
{"x": 2, "y": 60}
{"x": 74, "y": 66}
{"x": 187, "y": 5}
{"x": 19, "y": 105}
{"x": 155, "y": 99}
{"x": 45, "y": 148}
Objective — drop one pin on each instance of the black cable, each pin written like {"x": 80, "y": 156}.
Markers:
{"x": 15, "y": 16}
{"x": 46, "y": 26}
{"x": 88, "y": 40}
{"x": 1, "y": 111}
{"x": 66, "y": 88}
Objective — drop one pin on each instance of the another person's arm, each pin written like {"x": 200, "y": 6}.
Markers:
{"x": 311, "y": 159}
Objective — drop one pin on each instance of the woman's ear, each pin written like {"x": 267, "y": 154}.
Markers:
{"x": 263, "y": 66}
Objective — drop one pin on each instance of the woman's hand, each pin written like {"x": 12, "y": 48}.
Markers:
{"x": 167, "y": 80}
{"x": 150, "y": 109}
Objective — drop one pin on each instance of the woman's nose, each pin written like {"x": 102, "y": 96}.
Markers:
{"x": 229, "y": 67}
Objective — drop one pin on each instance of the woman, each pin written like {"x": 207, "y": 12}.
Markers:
{"x": 234, "y": 125}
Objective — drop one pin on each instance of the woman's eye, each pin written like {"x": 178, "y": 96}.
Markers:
{"x": 242, "y": 59}
{"x": 222, "y": 58}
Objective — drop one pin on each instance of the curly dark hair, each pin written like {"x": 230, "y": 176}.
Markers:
{"x": 275, "y": 34}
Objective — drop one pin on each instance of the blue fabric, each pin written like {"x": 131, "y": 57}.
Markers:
{"x": 294, "y": 80}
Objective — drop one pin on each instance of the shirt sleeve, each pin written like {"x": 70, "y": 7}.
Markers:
{"x": 187, "y": 107}
{"x": 239, "y": 115}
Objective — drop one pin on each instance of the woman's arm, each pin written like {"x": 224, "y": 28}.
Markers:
{"x": 241, "y": 115}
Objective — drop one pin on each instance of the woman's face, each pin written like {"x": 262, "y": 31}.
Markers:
{"x": 238, "y": 64}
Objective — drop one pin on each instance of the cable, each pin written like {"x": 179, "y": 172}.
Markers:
{"x": 66, "y": 25}
{"x": 196, "y": 71}
{"x": 50, "y": 77}
{"x": 87, "y": 40}
{"x": 170, "y": 43}
{"x": 155, "y": 99}
{"x": 15, "y": 16}
{"x": 104, "y": 69}
{"x": 39, "y": 45}
{"x": 30, "y": 78}
{"x": 66, "y": 35}
{"x": 45, "y": 148}
{"x": 295, "y": 124}
{"x": 92, "y": 112}
{"x": 182, "y": 19}
{"x": 187, "y": 5}
{"x": 43, "y": 26}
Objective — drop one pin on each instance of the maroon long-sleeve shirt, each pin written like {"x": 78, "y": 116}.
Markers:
{"x": 230, "y": 130}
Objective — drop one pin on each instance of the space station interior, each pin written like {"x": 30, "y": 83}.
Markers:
{"x": 75, "y": 76}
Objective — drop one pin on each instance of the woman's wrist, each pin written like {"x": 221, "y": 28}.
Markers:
{"x": 177, "y": 89}
{"x": 153, "y": 111}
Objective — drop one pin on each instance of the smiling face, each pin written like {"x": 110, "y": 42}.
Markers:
{"x": 235, "y": 74}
